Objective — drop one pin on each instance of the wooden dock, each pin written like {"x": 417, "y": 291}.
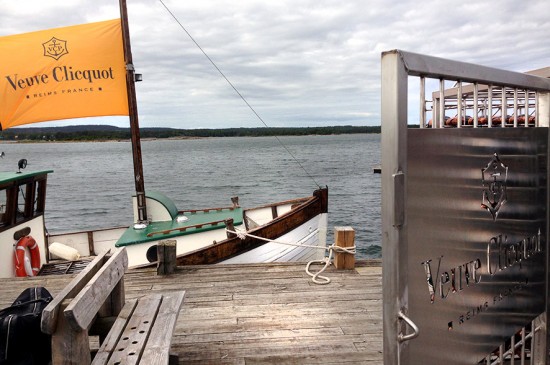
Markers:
{"x": 260, "y": 314}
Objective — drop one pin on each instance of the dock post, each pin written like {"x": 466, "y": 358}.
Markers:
{"x": 166, "y": 252}
{"x": 229, "y": 225}
{"x": 344, "y": 237}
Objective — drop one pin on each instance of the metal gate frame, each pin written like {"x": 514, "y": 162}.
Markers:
{"x": 397, "y": 66}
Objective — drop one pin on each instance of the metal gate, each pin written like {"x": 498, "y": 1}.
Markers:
{"x": 464, "y": 213}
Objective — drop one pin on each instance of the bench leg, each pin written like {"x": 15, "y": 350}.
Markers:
{"x": 114, "y": 302}
{"x": 109, "y": 311}
{"x": 174, "y": 359}
{"x": 68, "y": 346}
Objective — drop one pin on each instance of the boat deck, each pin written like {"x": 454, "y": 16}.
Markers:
{"x": 261, "y": 313}
{"x": 196, "y": 222}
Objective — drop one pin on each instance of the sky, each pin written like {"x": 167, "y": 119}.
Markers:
{"x": 299, "y": 63}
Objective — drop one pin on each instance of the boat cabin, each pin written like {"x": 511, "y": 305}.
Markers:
{"x": 22, "y": 205}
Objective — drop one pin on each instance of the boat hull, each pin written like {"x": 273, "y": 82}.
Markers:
{"x": 294, "y": 220}
{"x": 35, "y": 227}
{"x": 296, "y": 245}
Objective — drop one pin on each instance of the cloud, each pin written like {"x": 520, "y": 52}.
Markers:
{"x": 299, "y": 63}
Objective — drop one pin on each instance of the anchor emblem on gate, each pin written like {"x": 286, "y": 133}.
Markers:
{"x": 493, "y": 179}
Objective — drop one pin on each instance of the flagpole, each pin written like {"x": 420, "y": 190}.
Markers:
{"x": 133, "y": 113}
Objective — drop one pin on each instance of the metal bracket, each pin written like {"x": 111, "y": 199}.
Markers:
{"x": 398, "y": 199}
{"x": 401, "y": 337}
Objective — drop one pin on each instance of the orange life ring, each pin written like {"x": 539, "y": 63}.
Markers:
{"x": 19, "y": 256}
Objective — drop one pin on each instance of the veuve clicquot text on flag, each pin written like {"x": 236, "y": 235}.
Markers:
{"x": 62, "y": 73}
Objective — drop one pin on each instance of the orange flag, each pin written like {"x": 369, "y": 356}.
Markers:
{"x": 62, "y": 73}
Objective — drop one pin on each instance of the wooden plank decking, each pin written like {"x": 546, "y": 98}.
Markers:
{"x": 260, "y": 314}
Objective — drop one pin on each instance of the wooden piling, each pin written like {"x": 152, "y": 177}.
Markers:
{"x": 166, "y": 252}
{"x": 229, "y": 225}
{"x": 344, "y": 237}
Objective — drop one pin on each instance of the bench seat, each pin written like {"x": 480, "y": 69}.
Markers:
{"x": 142, "y": 332}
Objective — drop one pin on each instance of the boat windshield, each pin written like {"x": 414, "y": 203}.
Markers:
{"x": 21, "y": 199}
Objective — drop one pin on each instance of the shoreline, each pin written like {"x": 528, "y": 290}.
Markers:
{"x": 101, "y": 133}
{"x": 95, "y": 140}
{"x": 149, "y": 139}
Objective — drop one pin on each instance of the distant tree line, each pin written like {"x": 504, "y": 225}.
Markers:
{"x": 109, "y": 133}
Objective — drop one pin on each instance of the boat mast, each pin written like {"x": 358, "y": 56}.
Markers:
{"x": 133, "y": 113}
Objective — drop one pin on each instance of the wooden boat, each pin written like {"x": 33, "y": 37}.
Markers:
{"x": 204, "y": 236}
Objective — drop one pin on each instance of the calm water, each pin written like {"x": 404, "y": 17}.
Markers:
{"x": 92, "y": 183}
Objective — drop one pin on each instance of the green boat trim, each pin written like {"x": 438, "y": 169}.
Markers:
{"x": 8, "y": 177}
{"x": 197, "y": 222}
{"x": 165, "y": 201}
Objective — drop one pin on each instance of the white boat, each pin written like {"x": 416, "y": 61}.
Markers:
{"x": 202, "y": 237}
{"x": 293, "y": 230}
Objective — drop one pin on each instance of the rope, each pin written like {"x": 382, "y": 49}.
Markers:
{"x": 237, "y": 91}
{"x": 243, "y": 234}
{"x": 324, "y": 279}
{"x": 327, "y": 261}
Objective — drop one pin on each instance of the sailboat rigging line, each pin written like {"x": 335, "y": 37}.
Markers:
{"x": 237, "y": 91}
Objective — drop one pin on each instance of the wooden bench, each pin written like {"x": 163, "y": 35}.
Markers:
{"x": 142, "y": 333}
{"x": 94, "y": 303}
